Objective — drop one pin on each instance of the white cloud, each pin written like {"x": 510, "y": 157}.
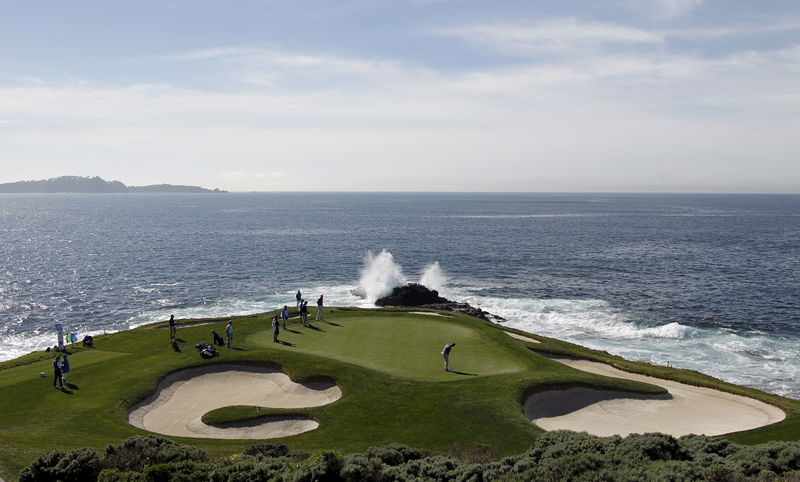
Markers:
{"x": 666, "y": 9}
{"x": 773, "y": 26}
{"x": 598, "y": 122}
{"x": 560, "y": 34}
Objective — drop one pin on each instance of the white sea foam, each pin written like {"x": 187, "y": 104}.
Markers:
{"x": 759, "y": 360}
{"x": 433, "y": 277}
{"x": 379, "y": 275}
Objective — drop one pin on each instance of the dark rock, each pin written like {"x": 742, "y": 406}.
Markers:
{"x": 412, "y": 294}
{"x": 419, "y": 296}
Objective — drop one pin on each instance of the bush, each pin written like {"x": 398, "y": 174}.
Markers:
{"x": 394, "y": 454}
{"x": 184, "y": 471}
{"x": 268, "y": 449}
{"x": 114, "y": 475}
{"x": 562, "y": 443}
{"x": 358, "y": 467}
{"x": 136, "y": 453}
{"x": 650, "y": 446}
{"x": 80, "y": 465}
{"x": 474, "y": 454}
{"x": 326, "y": 467}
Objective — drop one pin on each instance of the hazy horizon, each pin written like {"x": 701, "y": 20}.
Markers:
{"x": 618, "y": 96}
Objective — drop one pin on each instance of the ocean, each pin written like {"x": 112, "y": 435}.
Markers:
{"x": 704, "y": 282}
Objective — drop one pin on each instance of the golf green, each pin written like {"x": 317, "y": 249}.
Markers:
{"x": 403, "y": 344}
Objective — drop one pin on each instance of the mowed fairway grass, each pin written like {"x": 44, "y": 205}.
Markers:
{"x": 387, "y": 363}
{"x": 406, "y": 345}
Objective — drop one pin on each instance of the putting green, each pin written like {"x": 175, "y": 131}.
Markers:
{"x": 402, "y": 344}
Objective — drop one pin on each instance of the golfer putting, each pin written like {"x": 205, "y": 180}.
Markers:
{"x": 446, "y": 355}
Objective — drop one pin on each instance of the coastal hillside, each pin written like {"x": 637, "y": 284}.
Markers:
{"x": 98, "y": 185}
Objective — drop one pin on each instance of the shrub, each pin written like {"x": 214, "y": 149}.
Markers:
{"x": 326, "y": 467}
{"x": 358, "y": 467}
{"x": 650, "y": 446}
{"x": 184, "y": 471}
{"x": 79, "y": 465}
{"x": 701, "y": 444}
{"x": 114, "y": 475}
{"x": 268, "y": 449}
{"x": 136, "y": 453}
{"x": 562, "y": 443}
{"x": 476, "y": 453}
{"x": 394, "y": 454}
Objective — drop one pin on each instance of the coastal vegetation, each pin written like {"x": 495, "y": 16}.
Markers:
{"x": 388, "y": 365}
{"x": 559, "y": 455}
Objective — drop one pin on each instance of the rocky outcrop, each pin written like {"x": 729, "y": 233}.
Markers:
{"x": 412, "y": 294}
{"x": 419, "y": 296}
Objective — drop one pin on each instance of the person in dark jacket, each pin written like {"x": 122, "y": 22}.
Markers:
{"x": 446, "y": 355}
{"x": 276, "y": 328}
{"x": 57, "y": 373}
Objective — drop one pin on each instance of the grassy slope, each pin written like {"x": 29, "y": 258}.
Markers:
{"x": 387, "y": 363}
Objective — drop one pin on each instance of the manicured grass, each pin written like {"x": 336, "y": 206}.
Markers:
{"x": 387, "y": 363}
{"x": 402, "y": 344}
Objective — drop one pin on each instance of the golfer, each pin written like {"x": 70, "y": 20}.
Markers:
{"x": 446, "y": 355}
{"x": 172, "y": 327}
{"x": 276, "y": 328}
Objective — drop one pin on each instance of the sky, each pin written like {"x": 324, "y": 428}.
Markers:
{"x": 405, "y": 95}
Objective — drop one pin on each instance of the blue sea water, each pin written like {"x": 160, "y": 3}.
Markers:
{"x": 705, "y": 282}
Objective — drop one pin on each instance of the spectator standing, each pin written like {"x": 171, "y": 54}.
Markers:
{"x": 57, "y": 373}
{"x": 285, "y": 315}
{"x": 320, "y": 303}
{"x": 299, "y": 298}
{"x": 64, "y": 370}
{"x": 172, "y": 327}
{"x": 304, "y": 312}
{"x": 229, "y": 334}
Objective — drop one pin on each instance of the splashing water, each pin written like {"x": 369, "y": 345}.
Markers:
{"x": 379, "y": 275}
{"x": 433, "y": 277}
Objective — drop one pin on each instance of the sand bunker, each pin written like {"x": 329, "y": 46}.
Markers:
{"x": 521, "y": 337}
{"x": 429, "y": 313}
{"x": 184, "y": 397}
{"x": 685, "y": 410}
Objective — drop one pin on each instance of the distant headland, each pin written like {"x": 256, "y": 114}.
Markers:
{"x": 78, "y": 184}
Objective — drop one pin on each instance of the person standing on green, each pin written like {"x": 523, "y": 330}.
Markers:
{"x": 320, "y": 303}
{"x": 285, "y": 315}
{"x": 276, "y": 328}
{"x": 298, "y": 297}
{"x": 446, "y": 355}
{"x": 57, "y": 372}
{"x": 172, "y": 327}
{"x": 64, "y": 369}
{"x": 304, "y": 312}
{"x": 229, "y": 334}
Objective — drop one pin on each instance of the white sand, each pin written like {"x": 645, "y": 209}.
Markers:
{"x": 428, "y": 313}
{"x": 685, "y": 410}
{"x": 184, "y": 397}
{"x": 520, "y": 337}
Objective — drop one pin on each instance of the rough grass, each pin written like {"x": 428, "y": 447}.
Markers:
{"x": 387, "y": 363}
